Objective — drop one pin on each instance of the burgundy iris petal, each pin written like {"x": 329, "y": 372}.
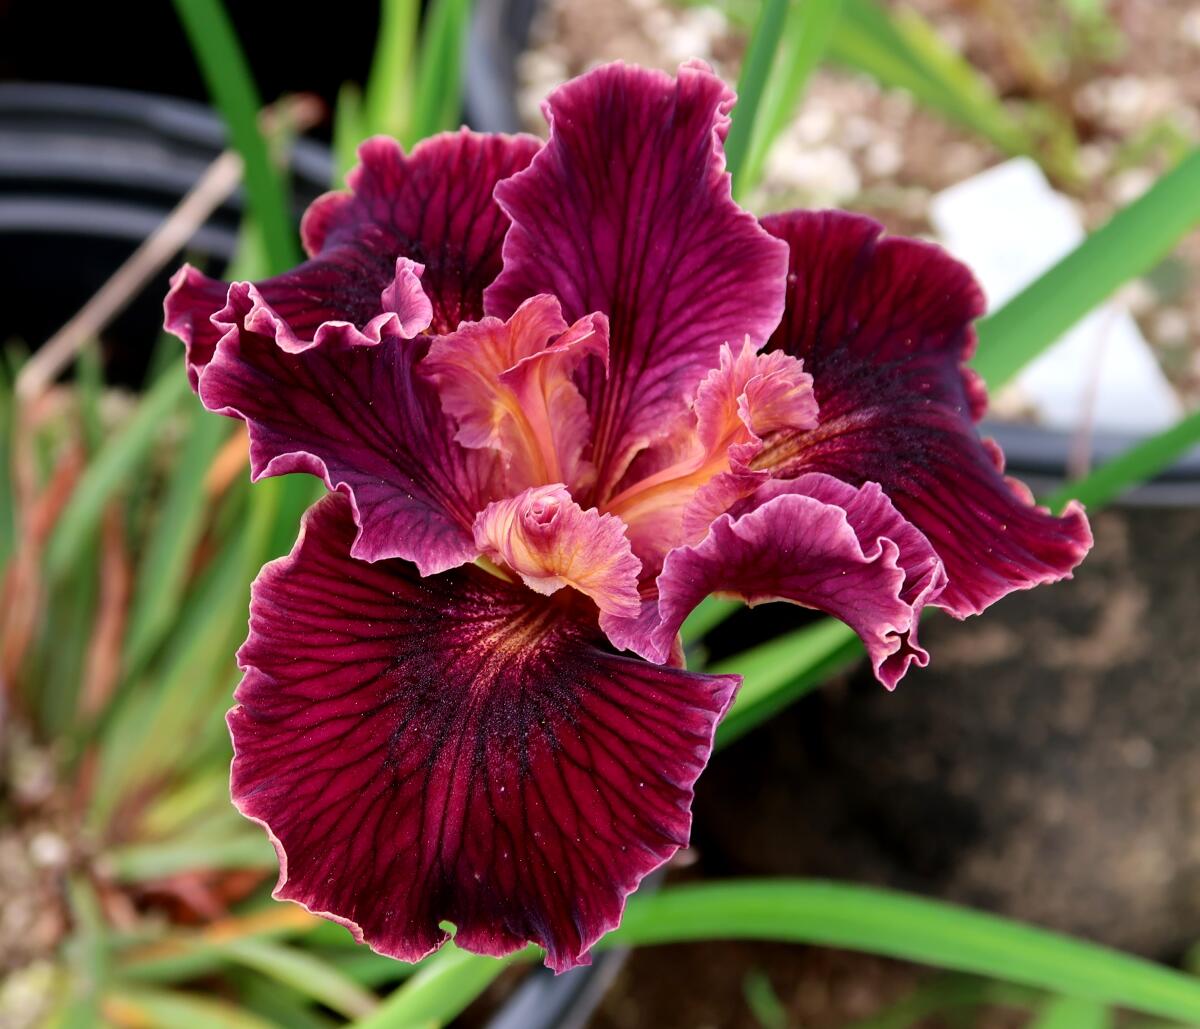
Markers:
{"x": 362, "y": 419}
{"x": 433, "y": 206}
{"x": 884, "y": 328}
{"x": 430, "y": 743}
{"x": 456, "y": 748}
{"x": 627, "y": 211}
{"x": 814, "y": 541}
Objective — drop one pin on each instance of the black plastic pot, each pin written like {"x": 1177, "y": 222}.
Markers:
{"x": 85, "y": 175}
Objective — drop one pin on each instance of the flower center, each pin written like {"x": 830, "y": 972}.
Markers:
{"x": 706, "y": 465}
{"x": 509, "y": 386}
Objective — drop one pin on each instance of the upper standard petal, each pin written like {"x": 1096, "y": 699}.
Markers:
{"x": 627, "y": 211}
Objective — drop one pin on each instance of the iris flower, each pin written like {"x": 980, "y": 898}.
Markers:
{"x": 559, "y": 394}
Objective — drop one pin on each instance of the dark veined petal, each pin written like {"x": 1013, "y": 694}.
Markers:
{"x": 627, "y": 211}
{"x": 361, "y": 419}
{"x": 433, "y": 206}
{"x": 884, "y": 328}
{"x": 815, "y": 541}
{"x": 456, "y": 748}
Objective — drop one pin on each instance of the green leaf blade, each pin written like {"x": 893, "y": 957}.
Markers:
{"x": 1130, "y": 244}
{"x": 752, "y": 82}
{"x": 227, "y": 74}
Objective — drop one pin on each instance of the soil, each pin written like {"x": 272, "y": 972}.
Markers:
{"x": 1119, "y": 88}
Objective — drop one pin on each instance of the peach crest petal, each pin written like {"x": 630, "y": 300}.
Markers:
{"x": 509, "y": 386}
{"x": 741, "y": 401}
{"x": 551, "y": 542}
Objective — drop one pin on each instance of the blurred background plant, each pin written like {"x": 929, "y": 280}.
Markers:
{"x": 133, "y": 894}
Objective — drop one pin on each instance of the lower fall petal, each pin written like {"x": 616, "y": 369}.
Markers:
{"x": 814, "y": 541}
{"x": 457, "y": 749}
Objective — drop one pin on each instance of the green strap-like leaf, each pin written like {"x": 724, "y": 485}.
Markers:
{"x": 806, "y": 33}
{"x": 861, "y": 918}
{"x": 752, "y": 82}
{"x": 442, "y": 987}
{"x": 1136, "y": 465}
{"x": 1072, "y": 1013}
{"x": 117, "y": 463}
{"x": 1131, "y": 243}
{"x": 437, "y": 104}
{"x": 897, "y": 925}
{"x": 153, "y": 1007}
{"x": 303, "y": 973}
{"x": 388, "y": 102}
{"x": 165, "y": 561}
{"x": 782, "y": 670}
{"x": 227, "y": 75}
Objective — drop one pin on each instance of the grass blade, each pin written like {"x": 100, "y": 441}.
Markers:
{"x": 388, "y": 104}
{"x": 752, "y": 82}
{"x": 231, "y": 85}
{"x": 189, "y": 955}
{"x": 806, "y": 33}
{"x": 861, "y": 918}
{"x": 711, "y": 612}
{"x": 142, "y": 1006}
{"x": 1131, "y": 243}
{"x": 304, "y": 974}
{"x": 1137, "y": 465}
{"x": 1072, "y": 1013}
{"x": 349, "y": 129}
{"x": 901, "y": 50}
{"x": 87, "y": 953}
{"x": 913, "y": 929}
{"x": 164, "y": 567}
{"x": 437, "y": 106}
{"x": 782, "y": 670}
{"x": 442, "y": 987}
{"x": 141, "y": 862}
{"x": 116, "y": 463}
